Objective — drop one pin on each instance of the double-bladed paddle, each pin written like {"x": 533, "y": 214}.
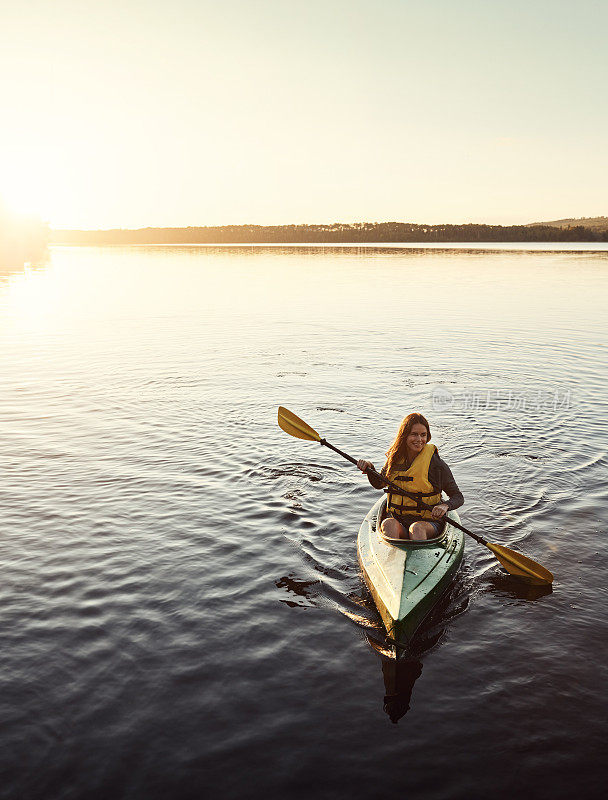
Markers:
{"x": 515, "y": 563}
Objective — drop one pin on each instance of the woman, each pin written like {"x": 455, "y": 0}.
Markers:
{"x": 414, "y": 465}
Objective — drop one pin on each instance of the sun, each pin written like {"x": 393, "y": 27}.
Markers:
{"x": 32, "y": 185}
{"x": 23, "y": 193}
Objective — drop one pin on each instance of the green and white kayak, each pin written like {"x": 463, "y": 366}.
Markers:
{"x": 406, "y": 578}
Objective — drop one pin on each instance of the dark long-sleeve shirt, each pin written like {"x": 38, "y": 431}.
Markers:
{"x": 440, "y": 475}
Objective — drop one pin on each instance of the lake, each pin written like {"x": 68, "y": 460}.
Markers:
{"x": 181, "y": 609}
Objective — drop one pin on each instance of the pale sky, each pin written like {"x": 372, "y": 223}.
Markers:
{"x": 128, "y": 113}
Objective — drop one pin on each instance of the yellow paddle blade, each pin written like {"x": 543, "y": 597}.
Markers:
{"x": 295, "y": 426}
{"x": 520, "y": 565}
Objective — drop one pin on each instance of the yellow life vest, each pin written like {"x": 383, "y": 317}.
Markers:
{"x": 415, "y": 480}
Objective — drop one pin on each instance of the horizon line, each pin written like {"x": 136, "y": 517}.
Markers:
{"x": 326, "y": 224}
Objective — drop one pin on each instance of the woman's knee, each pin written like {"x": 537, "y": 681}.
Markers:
{"x": 393, "y": 529}
{"x": 420, "y": 531}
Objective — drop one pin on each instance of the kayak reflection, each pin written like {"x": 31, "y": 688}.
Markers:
{"x": 401, "y": 668}
{"x": 399, "y": 675}
{"x": 402, "y": 665}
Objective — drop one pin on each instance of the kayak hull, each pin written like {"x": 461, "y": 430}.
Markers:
{"x": 405, "y": 578}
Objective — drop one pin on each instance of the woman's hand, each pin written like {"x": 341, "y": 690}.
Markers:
{"x": 364, "y": 465}
{"x": 439, "y": 510}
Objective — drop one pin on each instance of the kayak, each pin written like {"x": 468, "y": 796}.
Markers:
{"x": 406, "y": 578}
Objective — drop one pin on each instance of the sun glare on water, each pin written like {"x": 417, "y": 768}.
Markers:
{"x": 31, "y": 299}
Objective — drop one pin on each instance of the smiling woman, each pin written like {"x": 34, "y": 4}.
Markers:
{"x": 414, "y": 466}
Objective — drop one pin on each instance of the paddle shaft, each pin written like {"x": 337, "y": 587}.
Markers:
{"x": 412, "y": 496}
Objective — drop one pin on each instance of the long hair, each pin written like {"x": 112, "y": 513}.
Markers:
{"x": 397, "y": 451}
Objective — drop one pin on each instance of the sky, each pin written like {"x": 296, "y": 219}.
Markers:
{"x": 134, "y": 113}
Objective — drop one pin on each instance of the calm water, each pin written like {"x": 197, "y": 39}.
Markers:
{"x": 181, "y": 611}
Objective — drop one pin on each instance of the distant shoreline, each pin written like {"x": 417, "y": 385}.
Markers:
{"x": 360, "y": 233}
{"x": 488, "y": 247}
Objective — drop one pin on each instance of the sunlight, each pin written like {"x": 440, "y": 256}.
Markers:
{"x": 31, "y": 298}
{"x": 31, "y": 184}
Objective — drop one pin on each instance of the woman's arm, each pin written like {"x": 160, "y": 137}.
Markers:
{"x": 364, "y": 466}
{"x": 445, "y": 480}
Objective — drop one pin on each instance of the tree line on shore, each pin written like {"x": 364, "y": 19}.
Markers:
{"x": 370, "y": 232}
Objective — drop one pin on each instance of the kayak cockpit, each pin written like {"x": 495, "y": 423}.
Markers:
{"x": 406, "y": 544}
{"x": 409, "y": 544}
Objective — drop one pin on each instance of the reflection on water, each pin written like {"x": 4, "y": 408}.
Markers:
{"x": 512, "y": 587}
{"x": 400, "y": 675}
{"x": 181, "y": 598}
{"x": 10, "y": 268}
{"x": 297, "y": 587}
{"x": 400, "y": 672}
